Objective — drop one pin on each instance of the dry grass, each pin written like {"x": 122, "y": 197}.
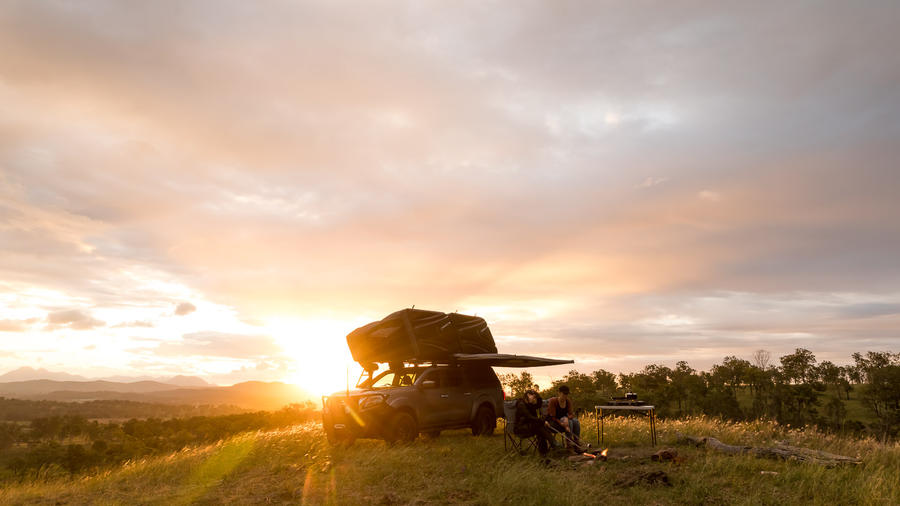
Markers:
{"x": 296, "y": 466}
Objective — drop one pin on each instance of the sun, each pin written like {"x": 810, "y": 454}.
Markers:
{"x": 321, "y": 362}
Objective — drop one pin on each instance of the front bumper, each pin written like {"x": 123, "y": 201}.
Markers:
{"x": 343, "y": 418}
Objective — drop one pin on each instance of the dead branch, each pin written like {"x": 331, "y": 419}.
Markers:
{"x": 780, "y": 451}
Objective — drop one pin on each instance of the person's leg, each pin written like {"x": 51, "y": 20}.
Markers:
{"x": 575, "y": 425}
{"x": 543, "y": 441}
{"x": 566, "y": 436}
{"x": 547, "y": 437}
{"x": 555, "y": 429}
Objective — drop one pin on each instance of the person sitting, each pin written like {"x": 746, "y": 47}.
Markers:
{"x": 529, "y": 423}
{"x": 561, "y": 416}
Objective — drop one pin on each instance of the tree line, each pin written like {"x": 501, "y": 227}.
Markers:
{"x": 23, "y": 410}
{"x": 70, "y": 444}
{"x": 797, "y": 390}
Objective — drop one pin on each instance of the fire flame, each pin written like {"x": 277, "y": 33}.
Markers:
{"x": 603, "y": 453}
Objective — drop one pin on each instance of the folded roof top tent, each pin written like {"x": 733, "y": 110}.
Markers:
{"x": 417, "y": 335}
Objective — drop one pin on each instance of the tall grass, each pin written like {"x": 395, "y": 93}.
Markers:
{"x": 296, "y": 466}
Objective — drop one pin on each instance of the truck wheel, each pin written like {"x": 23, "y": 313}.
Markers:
{"x": 402, "y": 428}
{"x": 485, "y": 422}
{"x": 340, "y": 438}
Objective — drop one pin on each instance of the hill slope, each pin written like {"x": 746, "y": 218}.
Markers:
{"x": 28, "y": 373}
{"x": 248, "y": 395}
{"x": 295, "y": 466}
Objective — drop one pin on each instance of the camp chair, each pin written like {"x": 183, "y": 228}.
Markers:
{"x": 511, "y": 440}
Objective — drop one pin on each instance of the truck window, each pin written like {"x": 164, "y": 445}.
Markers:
{"x": 452, "y": 378}
{"x": 432, "y": 375}
{"x": 481, "y": 376}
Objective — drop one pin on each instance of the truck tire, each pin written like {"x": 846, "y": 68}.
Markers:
{"x": 402, "y": 428}
{"x": 484, "y": 422}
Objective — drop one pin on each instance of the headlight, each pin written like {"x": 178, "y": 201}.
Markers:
{"x": 370, "y": 401}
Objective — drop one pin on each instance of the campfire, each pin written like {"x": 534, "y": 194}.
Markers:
{"x": 588, "y": 458}
{"x": 596, "y": 455}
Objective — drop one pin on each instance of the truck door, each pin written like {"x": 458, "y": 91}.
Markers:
{"x": 435, "y": 401}
{"x": 460, "y": 395}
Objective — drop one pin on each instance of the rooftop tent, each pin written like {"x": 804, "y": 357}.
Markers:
{"x": 419, "y": 335}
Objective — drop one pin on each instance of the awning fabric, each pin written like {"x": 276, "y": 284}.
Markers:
{"x": 505, "y": 360}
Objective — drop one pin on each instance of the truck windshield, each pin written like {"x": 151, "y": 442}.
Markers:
{"x": 400, "y": 378}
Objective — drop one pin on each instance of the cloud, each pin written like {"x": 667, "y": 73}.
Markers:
{"x": 651, "y": 181}
{"x": 185, "y": 308}
{"x": 74, "y": 319}
{"x": 448, "y": 156}
{"x": 710, "y": 196}
{"x": 135, "y": 323}
{"x": 219, "y": 344}
{"x": 273, "y": 369}
{"x": 870, "y": 310}
{"x": 17, "y": 325}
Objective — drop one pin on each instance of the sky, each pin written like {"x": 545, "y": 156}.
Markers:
{"x": 226, "y": 189}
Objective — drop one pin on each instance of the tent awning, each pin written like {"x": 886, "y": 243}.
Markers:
{"x": 505, "y": 360}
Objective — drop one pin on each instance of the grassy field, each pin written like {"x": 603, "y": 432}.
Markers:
{"x": 296, "y": 466}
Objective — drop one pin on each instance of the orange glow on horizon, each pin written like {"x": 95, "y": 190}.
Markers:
{"x": 318, "y": 349}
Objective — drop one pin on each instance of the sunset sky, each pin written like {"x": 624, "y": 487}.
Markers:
{"x": 226, "y": 189}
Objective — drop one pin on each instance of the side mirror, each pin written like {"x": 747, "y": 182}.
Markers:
{"x": 429, "y": 384}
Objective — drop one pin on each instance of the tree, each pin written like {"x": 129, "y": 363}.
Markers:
{"x": 881, "y": 392}
{"x": 604, "y": 382}
{"x": 9, "y": 433}
{"x": 830, "y": 374}
{"x": 847, "y": 375}
{"x": 652, "y": 385}
{"x": 733, "y": 373}
{"x": 517, "y": 385}
{"x": 686, "y": 387}
{"x": 761, "y": 359}
{"x": 799, "y": 367}
{"x": 761, "y": 384}
{"x": 719, "y": 399}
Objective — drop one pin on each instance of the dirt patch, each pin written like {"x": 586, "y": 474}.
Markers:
{"x": 631, "y": 479}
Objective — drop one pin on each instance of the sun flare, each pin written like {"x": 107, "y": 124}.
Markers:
{"x": 318, "y": 349}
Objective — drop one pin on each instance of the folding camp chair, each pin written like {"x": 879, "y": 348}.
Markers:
{"x": 511, "y": 440}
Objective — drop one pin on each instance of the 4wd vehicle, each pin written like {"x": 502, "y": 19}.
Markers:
{"x": 400, "y": 403}
{"x": 439, "y": 376}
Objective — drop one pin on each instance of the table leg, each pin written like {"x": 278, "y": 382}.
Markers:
{"x": 602, "y": 431}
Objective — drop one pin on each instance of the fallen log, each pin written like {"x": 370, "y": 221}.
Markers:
{"x": 781, "y": 451}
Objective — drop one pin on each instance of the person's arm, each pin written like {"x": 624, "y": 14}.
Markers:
{"x": 553, "y": 410}
{"x": 571, "y": 408}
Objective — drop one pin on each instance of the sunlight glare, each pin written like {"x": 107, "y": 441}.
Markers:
{"x": 318, "y": 348}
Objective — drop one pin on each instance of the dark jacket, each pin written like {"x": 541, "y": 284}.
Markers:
{"x": 528, "y": 416}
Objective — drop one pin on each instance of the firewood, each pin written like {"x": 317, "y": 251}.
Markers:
{"x": 664, "y": 455}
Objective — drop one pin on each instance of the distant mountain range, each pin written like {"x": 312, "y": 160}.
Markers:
{"x": 178, "y": 390}
{"x": 29, "y": 374}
